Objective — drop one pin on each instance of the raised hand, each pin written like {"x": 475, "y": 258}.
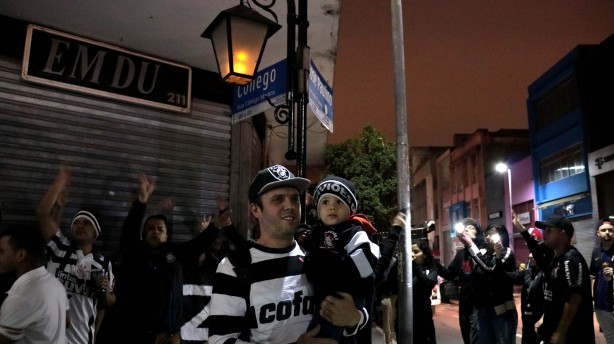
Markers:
{"x": 146, "y": 187}
{"x": 165, "y": 205}
{"x": 516, "y": 222}
{"x": 64, "y": 176}
{"x": 464, "y": 238}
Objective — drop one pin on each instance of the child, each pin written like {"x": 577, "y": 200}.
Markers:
{"x": 340, "y": 256}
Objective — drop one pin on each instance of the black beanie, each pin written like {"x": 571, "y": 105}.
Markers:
{"x": 339, "y": 187}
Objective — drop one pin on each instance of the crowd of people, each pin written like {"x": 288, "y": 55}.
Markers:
{"x": 291, "y": 282}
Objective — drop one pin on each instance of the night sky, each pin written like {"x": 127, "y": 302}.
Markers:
{"x": 468, "y": 63}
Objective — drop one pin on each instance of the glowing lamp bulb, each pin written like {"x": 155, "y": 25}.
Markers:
{"x": 240, "y": 68}
{"x": 242, "y": 56}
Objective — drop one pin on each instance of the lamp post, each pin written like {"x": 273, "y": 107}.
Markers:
{"x": 501, "y": 168}
{"x": 241, "y": 26}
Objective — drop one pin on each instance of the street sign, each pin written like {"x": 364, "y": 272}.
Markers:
{"x": 269, "y": 86}
{"x": 268, "y": 90}
{"x": 320, "y": 98}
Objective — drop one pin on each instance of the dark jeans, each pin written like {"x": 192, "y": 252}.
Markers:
{"x": 529, "y": 336}
{"x": 468, "y": 320}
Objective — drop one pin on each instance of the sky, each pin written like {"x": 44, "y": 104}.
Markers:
{"x": 468, "y": 64}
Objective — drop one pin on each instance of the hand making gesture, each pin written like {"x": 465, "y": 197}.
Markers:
{"x": 146, "y": 187}
{"x": 516, "y": 222}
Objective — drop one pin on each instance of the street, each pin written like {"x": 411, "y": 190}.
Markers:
{"x": 448, "y": 332}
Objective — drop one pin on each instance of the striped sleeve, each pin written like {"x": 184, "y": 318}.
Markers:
{"x": 364, "y": 253}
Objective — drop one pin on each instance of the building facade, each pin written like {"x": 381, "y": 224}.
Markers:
{"x": 568, "y": 108}
{"x": 467, "y": 185}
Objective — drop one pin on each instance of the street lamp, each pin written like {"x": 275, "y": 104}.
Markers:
{"x": 297, "y": 61}
{"x": 239, "y": 35}
{"x": 501, "y": 168}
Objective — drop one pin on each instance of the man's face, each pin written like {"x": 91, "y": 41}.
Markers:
{"x": 332, "y": 211}
{"x": 155, "y": 233}
{"x": 83, "y": 231}
{"x": 8, "y": 256}
{"x": 280, "y": 214}
{"x": 471, "y": 231}
{"x": 606, "y": 232}
{"x": 491, "y": 239}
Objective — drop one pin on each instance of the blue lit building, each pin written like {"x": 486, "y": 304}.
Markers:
{"x": 570, "y": 109}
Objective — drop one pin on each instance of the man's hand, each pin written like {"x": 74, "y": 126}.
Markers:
{"x": 165, "y": 205}
{"x": 146, "y": 187}
{"x": 309, "y": 337}
{"x": 340, "y": 311}
{"x": 516, "y": 222}
{"x": 498, "y": 250}
{"x": 64, "y": 176}
{"x": 464, "y": 238}
{"x": 223, "y": 214}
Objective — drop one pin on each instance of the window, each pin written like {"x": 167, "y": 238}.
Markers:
{"x": 475, "y": 208}
{"x": 458, "y": 185}
{"x": 563, "y": 164}
{"x": 473, "y": 170}
{"x": 561, "y": 100}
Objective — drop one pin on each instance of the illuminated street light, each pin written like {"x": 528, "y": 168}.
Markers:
{"x": 229, "y": 43}
{"x": 239, "y": 35}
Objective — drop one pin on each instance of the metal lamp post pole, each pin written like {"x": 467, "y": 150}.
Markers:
{"x": 301, "y": 56}
{"x": 509, "y": 186}
{"x": 297, "y": 96}
{"x": 405, "y": 308}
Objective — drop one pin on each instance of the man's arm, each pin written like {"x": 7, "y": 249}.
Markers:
{"x": 100, "y": 312}
{"x": 540, "y": 253}
{"x": 48, "y": 220}
{"x": 388, "y": 246}
{"x": 131, "y": 233}
{"x": 569, "y": 313}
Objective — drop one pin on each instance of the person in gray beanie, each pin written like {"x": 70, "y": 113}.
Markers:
{"x": 340, "y": 255}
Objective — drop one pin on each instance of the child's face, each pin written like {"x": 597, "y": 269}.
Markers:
{"x": 332, "y": 211}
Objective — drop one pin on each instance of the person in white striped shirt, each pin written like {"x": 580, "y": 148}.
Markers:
{"x": 73, "y": 260}
{"x": 263, "y": 295}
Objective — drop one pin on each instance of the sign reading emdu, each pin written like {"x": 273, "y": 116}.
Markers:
{"x": 70, "y": 62}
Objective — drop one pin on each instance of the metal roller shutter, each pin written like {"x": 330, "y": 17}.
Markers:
{"x": 107, "y": 144}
